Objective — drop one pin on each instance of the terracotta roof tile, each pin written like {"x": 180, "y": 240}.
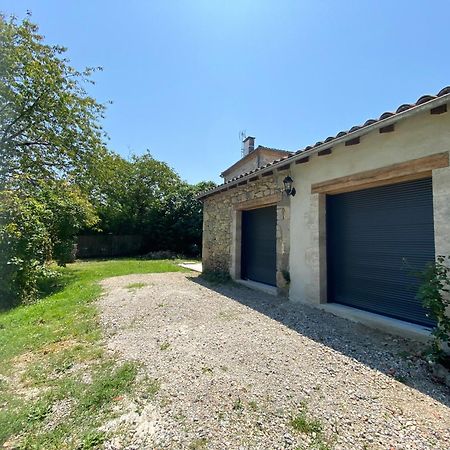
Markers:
{"x": 424, "y": 99}
{"x": 444, "y": 91}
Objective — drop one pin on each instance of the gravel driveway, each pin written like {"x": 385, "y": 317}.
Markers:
{"x": 236, "y": 366}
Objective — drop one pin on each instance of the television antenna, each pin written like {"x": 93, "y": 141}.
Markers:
{"x": 242, "y": 136}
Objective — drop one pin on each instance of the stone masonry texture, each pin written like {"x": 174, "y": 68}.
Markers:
{"x": 218, "y": 224}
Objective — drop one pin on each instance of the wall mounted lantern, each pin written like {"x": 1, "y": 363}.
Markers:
{"x": 288, "y": 188}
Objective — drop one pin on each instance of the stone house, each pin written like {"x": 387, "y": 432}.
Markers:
{"x": 371, "y": 208}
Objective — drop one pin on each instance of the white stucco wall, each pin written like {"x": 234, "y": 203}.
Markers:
{"x": 413, "y": 138}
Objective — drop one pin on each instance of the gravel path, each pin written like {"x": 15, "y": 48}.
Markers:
{"x": 236, "y": 365}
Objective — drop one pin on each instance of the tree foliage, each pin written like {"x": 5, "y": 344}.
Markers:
{"x": 49, "y": 124}
{"x": 37, "y": 226}
{"x": 57, "y": 177}
{"x": 145, "y": 196}
{"x": 49, "y": 140}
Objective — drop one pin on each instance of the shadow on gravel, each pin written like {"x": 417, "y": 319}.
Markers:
{"x": 395, "y": 357}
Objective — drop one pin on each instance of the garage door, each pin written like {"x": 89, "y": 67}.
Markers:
{"x": 376, "y": 239}
{"x": 258, "y": 257}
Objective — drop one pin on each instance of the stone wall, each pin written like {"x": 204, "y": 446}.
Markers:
{"x": 221, "y": 225}
{"x": 216, "y": 233}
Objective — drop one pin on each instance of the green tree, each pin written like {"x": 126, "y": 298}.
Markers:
{"x": 145, "y": 196}
{"x": 51, "y": 143}
{"x": 37, "y": 226}
{"x": 130, "y": 196}
{"x": 185, "y": 218}
{"x": 49, "y": 124}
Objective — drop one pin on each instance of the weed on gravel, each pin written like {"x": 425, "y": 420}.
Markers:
{"x": 253, "y": 405}
{"x": 198, "y": 444}
{"x": 312, "y": 427}
{"x": 135, "y": 286}
{"x": 164, "y": 346}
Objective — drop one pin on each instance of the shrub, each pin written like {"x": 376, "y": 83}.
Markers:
{"x": 434, "y": 293}
{"x": 25, "y": 246}
{"x": 38, "y": 224}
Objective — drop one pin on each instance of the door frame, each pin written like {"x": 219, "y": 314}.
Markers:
{"x": 246, "y": 238}
{"x": 282, "y": 235}
{"x": 396, "y": 173}
{"x": 236, "y": 229}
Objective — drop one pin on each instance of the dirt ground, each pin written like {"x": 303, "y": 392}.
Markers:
{"x": 240, "y": 369}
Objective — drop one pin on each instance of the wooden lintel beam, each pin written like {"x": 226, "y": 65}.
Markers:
{"x": 410, "y": 170}
{"x": 285, "y": 167}
{"x": 259, "y": 202}
{"x": 387, "y": 129}
{"x": 439, "y": 109}
{"x": 353, "y": 141}
{"x": 325, "y": 151}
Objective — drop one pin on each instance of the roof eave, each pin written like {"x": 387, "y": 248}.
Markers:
{"x": 258, "y": 149}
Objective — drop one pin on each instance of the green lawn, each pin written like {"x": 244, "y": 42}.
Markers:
{"x": 57, "y": 385}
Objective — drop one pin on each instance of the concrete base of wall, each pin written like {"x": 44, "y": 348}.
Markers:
{"x": 379, "y": 322}
{"x": 272, "y": 290}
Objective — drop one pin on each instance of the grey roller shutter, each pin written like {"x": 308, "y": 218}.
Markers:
{"x": 258, "y": 257}
{"x": 376, "y": 239}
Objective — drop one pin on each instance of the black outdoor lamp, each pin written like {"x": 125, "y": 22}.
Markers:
{"x": 288, "y": 186}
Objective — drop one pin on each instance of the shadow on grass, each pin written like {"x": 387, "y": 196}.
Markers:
{"x": 46, "y": 286}
{"x": 393, "y": 356}
{"x": 55, "y": 283}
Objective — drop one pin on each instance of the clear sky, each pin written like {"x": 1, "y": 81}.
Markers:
{"x": 186, "y": 76}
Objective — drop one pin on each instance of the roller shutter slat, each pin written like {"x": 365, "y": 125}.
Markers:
{"x": 376, "y": 239}
{"x": 258, "y": 257}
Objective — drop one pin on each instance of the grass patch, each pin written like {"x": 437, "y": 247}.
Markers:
{"x": 313, "y": 427}
{"x": 107, "y": 386}
{"x": 306, "y": 425}
{"x": 67, "y": 313}
{"x": 253, "y": 405}
{"x": 50, "y": 354}
{"x": 164, "y": 346}
{"x": 238, "y": 405}
{"x": 134, "y": 286}
{"x": 150, "y": 387}
{"x": 207, "y": 370}
{"x": 93, "y": 439}
{"x": 198, "y": 444}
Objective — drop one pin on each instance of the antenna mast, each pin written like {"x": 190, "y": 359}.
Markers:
{"x": 242, "y": 136}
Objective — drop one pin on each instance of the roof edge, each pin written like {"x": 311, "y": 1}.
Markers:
{"x": 257, "y": 149}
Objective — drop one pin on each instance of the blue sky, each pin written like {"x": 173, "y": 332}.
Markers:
{"x": 186, "y": 76}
